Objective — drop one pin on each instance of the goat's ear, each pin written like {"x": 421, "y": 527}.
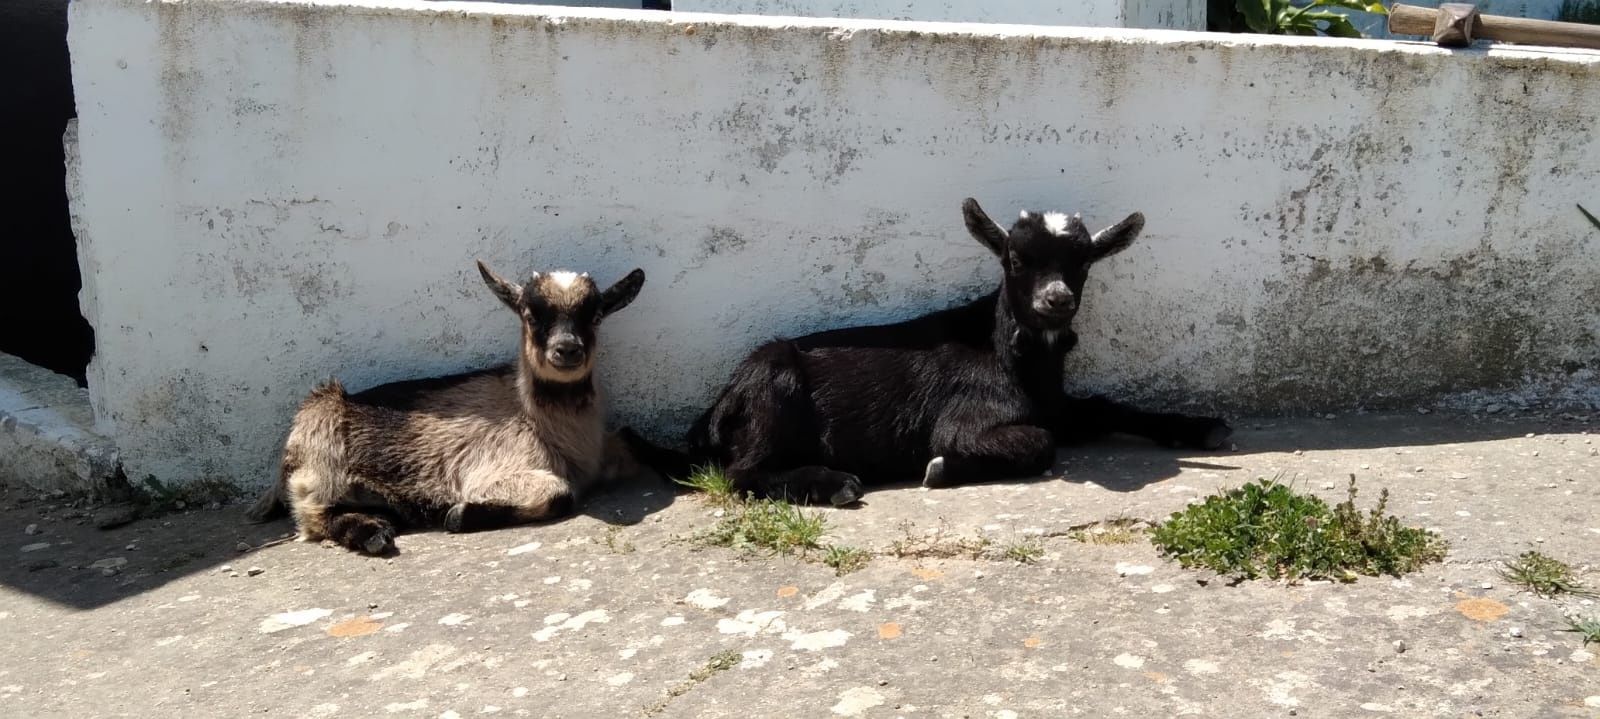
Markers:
{"x": 508, "y": 292}
{"x": 1116, "y": 238}
{"x": 982, "y": 228}
{"x": 620, "y": 294}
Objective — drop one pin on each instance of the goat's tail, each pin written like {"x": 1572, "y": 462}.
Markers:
{"x": 319, "y": 415}
{"x": 670, "y": 463}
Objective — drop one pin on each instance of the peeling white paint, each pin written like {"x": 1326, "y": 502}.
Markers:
{"x": 859, "y": 602}
{"x": 704, "y": 599}
{"x": 524, "y": 548}
{"x": 397, "y": 707}
{"x": 1402, "y": 612}
{"x": 618, "y": 680}
{"x": 907, "y": 602}
{"x": 1201, "y": 666}
{"x": 828, "y": 595}
{"x": 672, "y": 621}
{"x": 820, "y": 668}
{"x": 857, "y": 700}
{"x": 454, "y": 619}
{"x": 1125, "y": 569}
{"x": 755, "y": 658}
{"x": 575, "y": 623}
{"x": 817, "y": 641}
{"x": 750, "y": 622}
{"x": 1129, "y": 661}
{"x": 289, "y": 620}
{"x": 417, "y": 664}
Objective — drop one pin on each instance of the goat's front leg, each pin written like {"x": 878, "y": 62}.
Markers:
{"x": 1004, "y": 452}
{"x": 519, "y": 497}
{"x": 814, "y": 484}
{"x": 1082, "y": 418}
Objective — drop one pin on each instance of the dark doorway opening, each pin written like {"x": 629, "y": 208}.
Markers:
{"x": 39, "y": 282}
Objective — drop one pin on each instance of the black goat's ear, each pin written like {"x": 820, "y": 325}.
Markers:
{"x": 620, "y": 294}
{"x": 508, "y": 292}
{"x": 982, "y": 228}
{"x": 1116, "y": 238}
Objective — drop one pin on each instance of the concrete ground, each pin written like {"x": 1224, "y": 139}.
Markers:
{"x": 614, "y": 614}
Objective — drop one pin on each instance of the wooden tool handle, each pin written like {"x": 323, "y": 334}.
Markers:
{"x": 1413, "y": 20}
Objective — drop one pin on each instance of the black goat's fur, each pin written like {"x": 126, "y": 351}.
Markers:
{"x": 965, "y": 394}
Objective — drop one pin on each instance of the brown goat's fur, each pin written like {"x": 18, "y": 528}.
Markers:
{"x": 509, "y": 445}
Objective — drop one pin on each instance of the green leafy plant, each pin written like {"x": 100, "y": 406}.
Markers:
{"x": 1265, "y": 529}
{"x": 845, "y": 560}
{"x": 712, "y": 482}
{"x": 1543, "y": 575}
{"x": 769, "y": 524}
{"x": 1587, "y": 627}
{"x": 1279, "y": 17}
{"x": 1024, "y": 552}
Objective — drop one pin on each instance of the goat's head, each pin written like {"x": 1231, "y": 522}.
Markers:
{"x": 1046, "y": 257}
{"x": 560, "y": 312}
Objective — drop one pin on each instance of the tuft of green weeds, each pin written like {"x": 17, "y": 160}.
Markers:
{"x": 719, "y": 662}
{"x": 770, "y": 524}
{"x": 1543, "y": 575}
{"x": 616, "y": 542}
{"x": 712, "y": 482}
{"x": 1587, "y": 627}
{"x": 936, "y": 543}
{"x": 1025, "y": 551}
{"x": 1115, "y": 531}
{"x": 845, "y": 560}
{"x": 1265, "y": 529}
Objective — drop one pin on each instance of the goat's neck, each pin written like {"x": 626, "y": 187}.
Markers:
{"x": 536, "y": 395}
{"x": 1031, "y": 357}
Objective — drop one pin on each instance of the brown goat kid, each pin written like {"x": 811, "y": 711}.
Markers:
{"x": 505, "y": 446}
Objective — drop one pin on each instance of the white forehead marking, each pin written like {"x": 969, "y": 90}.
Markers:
{"x": 564, "y": 280}
{"x": 1024, "y": 214}
{"x": 1056, "y": 223}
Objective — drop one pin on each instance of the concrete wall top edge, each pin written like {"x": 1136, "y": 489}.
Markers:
{"x": 1179, "y": 39}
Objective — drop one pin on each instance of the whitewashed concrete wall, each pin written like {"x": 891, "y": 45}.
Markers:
{"x": 1168, "y": 14}
{"x": 273, "y": 193}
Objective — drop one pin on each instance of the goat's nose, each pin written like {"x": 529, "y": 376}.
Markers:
{"x": 1059, "y": 299}
{"x": 566, "y": 351}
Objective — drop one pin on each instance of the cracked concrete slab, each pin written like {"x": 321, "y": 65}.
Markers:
{"x": 615, "y": 613}
{"x": 47, "y": 436}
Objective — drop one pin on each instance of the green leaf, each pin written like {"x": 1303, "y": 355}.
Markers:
{"x": 1338, "y": 25}
{"x": 1257, "y": 14}
{"x": 1358, "y": 5}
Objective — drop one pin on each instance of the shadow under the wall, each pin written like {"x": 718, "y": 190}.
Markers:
{"x": 66, "y": 560}
{"x": 151, "y": 553}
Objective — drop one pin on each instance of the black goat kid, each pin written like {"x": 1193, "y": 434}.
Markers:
{"x": 961, "y": 395}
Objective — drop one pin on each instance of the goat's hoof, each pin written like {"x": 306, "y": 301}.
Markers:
{"x": 380, "y": 543}
{"x": 453, "y": 519}
{"x": 848, "y": 494}
{"x": 933, "y": 477}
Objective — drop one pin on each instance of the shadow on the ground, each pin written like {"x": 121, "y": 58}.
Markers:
{"x": 66, "y": 560}
{"x": 150, "y": 553}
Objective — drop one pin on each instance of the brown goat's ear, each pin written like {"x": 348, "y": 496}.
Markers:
{"x": 508, "y": 292}
{"x": 1116, "y": 238}
{"x": 982, "y": 228}
{"x": 620, "y": 294}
